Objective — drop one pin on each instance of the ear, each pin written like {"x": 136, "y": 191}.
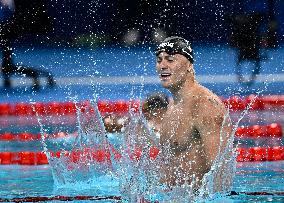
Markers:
{"x": 189, "y": 67}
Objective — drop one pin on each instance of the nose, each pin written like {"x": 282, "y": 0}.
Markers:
{"x": 162, "y": 65}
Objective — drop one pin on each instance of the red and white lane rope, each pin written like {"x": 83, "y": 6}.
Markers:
{"x": 25, "y": 136}
{"x": 235, "y": 103}
{"x": 273, "y": 130}
{"x": 65, "y": 108}
{"x": 258, "y": 131}
{"x": 251, "y": 154}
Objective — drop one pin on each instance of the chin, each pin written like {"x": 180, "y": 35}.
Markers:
{"x": 166, "y": 85}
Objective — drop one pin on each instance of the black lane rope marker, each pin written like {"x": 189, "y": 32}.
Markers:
{"x": 115, "y": 198}
{"x": 261, "y": 193}
{"x": 61, "y": 198}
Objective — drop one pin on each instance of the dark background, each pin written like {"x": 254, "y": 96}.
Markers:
{"x": 198, "y": 21}
{"x": 67, "y": 24}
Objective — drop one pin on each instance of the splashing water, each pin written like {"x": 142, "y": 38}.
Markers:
{"x": 218, "y": 181}
{"x": 137, "y": 172}
{"x": 83, "y": 160}
{"x": 139, "y": 177}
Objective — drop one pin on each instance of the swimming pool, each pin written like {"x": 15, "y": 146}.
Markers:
{"x": 36, "y": 181}
{"x": 120, "y": 70}
{"x": 254, "y": 181}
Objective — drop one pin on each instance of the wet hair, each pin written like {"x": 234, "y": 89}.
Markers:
{"x": 176, "y": 45}
{"x": 156, "y": 101}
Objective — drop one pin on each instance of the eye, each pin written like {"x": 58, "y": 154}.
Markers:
{"x": 170, "y": 58}
{"x": 159, "y": 59}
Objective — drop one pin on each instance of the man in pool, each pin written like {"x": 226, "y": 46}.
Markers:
{"x": 190, "y": 129}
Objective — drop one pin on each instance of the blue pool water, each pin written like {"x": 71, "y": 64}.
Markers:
{"x": 20, "y": 181}
{"x": 25, "y": 181}
{"x": 72, "y": 68}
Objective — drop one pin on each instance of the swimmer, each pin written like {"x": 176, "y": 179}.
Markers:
{"x": 154, "y": 109}
{"x": 190, "y": 129}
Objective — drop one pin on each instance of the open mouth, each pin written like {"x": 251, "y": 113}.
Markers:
{"x": 165, "y": 75}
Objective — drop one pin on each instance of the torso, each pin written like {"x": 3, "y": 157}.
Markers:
{"x": 180, "y": 137}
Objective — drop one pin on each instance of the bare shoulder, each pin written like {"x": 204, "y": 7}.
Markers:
{"x": 207, "y": 103}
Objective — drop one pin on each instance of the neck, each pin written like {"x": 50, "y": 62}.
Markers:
{"x": 181, "y": 91}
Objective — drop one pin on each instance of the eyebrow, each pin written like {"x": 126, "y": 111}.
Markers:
{"x": 166, "y": 57}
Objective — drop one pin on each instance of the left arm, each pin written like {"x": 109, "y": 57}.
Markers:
{"x": 210, "y": 123}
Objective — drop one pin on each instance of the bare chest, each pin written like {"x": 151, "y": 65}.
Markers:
{"x": 177, "y": 129}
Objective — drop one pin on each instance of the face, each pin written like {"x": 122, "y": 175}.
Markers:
{"x": 173, "y": 69}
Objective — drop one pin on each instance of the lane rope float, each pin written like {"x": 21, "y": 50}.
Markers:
{"x": 273, "y": 130}
{"x": 235, "y": 103}
{"x": 251, "y": 154}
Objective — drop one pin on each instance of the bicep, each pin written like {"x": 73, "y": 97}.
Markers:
{"x": 214, "y": 133}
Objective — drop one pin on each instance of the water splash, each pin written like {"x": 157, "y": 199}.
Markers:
{"x": 137, "y": 174}
{"x": 140, "y": 176}
{"x": 218, "y": 181}
{"x": 85, "y": 159}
